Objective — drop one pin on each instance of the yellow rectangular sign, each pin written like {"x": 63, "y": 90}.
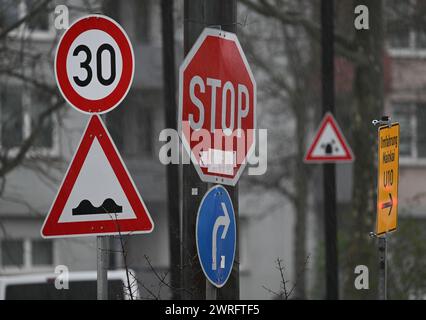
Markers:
{"x": 388, "y": 175}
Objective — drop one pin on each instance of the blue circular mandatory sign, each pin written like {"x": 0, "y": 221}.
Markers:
{"x": 216, "y": 235}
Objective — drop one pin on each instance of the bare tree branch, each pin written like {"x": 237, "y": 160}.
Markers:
{"x": 8, "y": 164}
{"x": 345, "y": 47}
{"x": 284, "y": 293}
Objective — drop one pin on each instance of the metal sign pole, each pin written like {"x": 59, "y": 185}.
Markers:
{"x": 102, "y": 264}
{"x": 102, "y": 260}
{"x": 192, "y": 187}
{"x": 383, "y": 267}
{"x": 211, "y": 291}
{"x": 329, "y": 171}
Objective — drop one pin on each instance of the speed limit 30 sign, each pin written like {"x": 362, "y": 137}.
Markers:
{"x": 94, "y": 64}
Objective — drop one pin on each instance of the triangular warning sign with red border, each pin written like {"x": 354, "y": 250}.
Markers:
{"x": 329, "y": 145}
{"x": 97, "y": 195}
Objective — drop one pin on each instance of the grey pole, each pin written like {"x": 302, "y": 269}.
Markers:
{"x": 329, "y": 172}
{"x": 193, "y": 189}
{"x": 383, "y": 268}
{"x": 102, "y": 263}
{"x": 211, "y": 291}
{"x": 172, "y": 170}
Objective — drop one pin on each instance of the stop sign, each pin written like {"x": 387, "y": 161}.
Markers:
{"x": 217, "y": 107}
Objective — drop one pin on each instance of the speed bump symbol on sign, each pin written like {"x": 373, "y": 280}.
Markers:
{"x": 388, "y": 175}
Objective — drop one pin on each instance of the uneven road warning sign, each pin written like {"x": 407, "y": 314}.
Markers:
{"x": 388, "y": 176}
{"x": 97, "y": 195}
{"x": 329, "y": 145}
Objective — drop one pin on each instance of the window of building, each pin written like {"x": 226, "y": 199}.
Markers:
{"x": 19, "y": 114}
{"x": 412, "y": 136}
{"x": 41, "y": 253}
{"x": 39, "y": 24}
{"x": 25, "y": 253}
{"x": 12, "y": 253}
{"x": 11, "y": 115}
{"x": 9, "y": 13}
{"x": 405, "y": 27}
{"x": 39, "y": 102}
{"x": 40, "y": 21}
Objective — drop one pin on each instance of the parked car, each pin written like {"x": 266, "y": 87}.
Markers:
{"x": 82, "y": 285}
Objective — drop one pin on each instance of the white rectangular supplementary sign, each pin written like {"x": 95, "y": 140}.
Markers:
{"x": 218, "y": 161}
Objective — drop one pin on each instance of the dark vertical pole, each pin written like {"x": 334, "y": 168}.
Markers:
{"x": 169, "y": 88}
{"x": 329, "y": 177}
{"x": 223, "y": 14}
{"x": 199, "y": 14}
{"x": 382, "y": 267}
{"x": 193, "y": 189}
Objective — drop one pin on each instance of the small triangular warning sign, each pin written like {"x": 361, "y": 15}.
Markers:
{"x": 329, "y": 144}
{"x": 97, "y": 195}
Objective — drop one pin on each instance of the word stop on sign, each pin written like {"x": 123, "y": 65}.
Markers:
{"x": 226, "y": 94}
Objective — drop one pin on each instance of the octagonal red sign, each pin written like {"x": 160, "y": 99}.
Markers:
{"x": 217, "y": 107}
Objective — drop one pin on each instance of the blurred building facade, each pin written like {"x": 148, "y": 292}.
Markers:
{"x": 134, "y": 126}
{"x": 406, "y": 103}
{"x": 266, "y": 229}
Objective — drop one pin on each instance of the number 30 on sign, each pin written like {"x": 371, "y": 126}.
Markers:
{"x": 94, "y": 64}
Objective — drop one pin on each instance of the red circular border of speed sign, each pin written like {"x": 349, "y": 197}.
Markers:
{"x": 113, "y": 29}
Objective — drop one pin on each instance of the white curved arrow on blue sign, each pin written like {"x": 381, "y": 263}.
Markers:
{"x": 216, "y": 235}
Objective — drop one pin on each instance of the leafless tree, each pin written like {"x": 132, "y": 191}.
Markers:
{"x": 364, "y": 52}
{"x": 281, "y": 51}
{"x": 31, "y": 108}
